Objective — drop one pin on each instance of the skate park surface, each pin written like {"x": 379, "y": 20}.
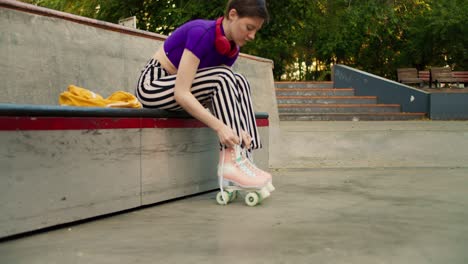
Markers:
{"x": 404, "y": 200}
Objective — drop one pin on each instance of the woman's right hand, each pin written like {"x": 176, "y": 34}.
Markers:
{"x": 227, "y": 136}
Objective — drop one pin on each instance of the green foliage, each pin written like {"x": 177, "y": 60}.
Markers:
{"x": 305, "y": 37}
{"x": 440, "y": 35}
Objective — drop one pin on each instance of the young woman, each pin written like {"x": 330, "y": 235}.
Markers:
{"x": 192, "y": 69}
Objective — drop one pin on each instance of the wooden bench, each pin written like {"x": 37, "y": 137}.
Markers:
{"x": 425, "y": 76}
{"x": 442, "y": 75}
{"x": 409, "y": 76}
{"x": 462, "y": 76}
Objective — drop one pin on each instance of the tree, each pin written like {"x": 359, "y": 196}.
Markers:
{"x": 439, "y": 35}
{"x": 305, "y": 37}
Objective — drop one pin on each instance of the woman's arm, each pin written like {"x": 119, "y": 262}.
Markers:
{"x": 185, "y": 75}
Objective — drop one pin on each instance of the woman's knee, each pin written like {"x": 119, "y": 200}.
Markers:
{"x": 226, "y": 77}
{"x": 227, "y": 72}
{"x": 242, "y": 81}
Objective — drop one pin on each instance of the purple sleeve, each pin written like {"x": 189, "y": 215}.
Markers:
{"x": 199, "y": 41}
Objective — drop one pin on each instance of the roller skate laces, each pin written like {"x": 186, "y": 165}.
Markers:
{"x": 235, "y": 176}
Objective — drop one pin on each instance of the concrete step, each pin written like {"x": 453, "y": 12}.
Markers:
{"x": 315, "y": 91}
{"x": 299, "y": 85}
{"x": 320, "y": 101}
{"x": 327, "y": 99}
{"x": 350, "y": 116}
{"x": 338, "y": 108}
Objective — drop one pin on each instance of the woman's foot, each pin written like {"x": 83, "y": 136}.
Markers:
{"x": 261, "y": 173}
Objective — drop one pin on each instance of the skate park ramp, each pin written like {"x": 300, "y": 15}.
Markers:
{"x": 347, "y": 192}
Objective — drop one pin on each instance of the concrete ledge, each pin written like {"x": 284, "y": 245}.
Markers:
{"x": 373, "y": 144}
{"x": 64, "y": 111}
{"x": 449, "y": 106}
{"x": 57, "y": 168}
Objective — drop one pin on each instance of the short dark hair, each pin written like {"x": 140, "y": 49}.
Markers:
{"x": 248, "y": 8}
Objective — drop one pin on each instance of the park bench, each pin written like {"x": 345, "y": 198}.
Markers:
{"x": 425, "y": 76}
{"x": 442, "y": 75}
{"x": 409, "y": 76}
{"x": 462, "y": 76}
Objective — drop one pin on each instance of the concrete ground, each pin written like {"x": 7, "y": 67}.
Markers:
{"x": 361, "y": 216}
{"x": 316, "y": 215}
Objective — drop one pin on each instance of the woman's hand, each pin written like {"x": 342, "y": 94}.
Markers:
{"x": 246, "y": 139}
{"x": 227, "y": 136}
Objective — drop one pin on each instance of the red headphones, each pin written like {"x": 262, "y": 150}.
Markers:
{"x": 222, "y": 44}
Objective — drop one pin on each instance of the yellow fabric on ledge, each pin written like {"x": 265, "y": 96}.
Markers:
{"x": 78, "y": 96}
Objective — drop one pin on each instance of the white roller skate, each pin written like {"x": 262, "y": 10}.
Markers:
{"x": 234, "y": 176}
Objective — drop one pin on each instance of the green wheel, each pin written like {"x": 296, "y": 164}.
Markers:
{"x": 220, "y": 196}
{"x": 252, "y": 199}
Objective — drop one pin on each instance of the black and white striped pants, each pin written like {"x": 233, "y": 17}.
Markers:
{"x": 228, "y": 93}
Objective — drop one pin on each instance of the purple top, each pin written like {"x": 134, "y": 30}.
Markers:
{"x": 198, "y": 36}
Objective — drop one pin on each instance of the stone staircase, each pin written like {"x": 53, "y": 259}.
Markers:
{"x": 309, "y": 101}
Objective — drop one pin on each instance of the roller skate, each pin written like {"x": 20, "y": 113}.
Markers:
{"x": 235, "y": 177}
{"x": 249, "y": 162}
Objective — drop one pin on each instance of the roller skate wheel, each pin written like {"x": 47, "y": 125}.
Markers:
{"x": 252, "y": 199}
{"x": 220, "y": 196}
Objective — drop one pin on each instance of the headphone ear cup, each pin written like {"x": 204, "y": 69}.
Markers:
{"x": 233, "y": 51}
{"x": 222, "y": 45}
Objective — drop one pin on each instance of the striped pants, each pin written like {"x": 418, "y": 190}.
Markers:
{"x": 227, "y": 93}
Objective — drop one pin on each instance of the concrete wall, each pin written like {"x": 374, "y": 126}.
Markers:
{"x": 56, "y": 177}
{"x": 53, "y": 176}
{"x": 373, "y": 144}
{"x": 43, "y": 51}
{"x": 447, "y": 106}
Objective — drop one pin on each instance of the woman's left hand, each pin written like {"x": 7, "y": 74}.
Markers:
{"x": 246, "y": 139}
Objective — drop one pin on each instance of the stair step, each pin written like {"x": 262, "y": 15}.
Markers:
{"x": 321, "y": 101}
{"x": 350, "y": 116}
{"x": 338, "y": 108}
{"x": 302, "y": 85}
{"x": 302, "y": 99}
{"x": 315, "y": 91}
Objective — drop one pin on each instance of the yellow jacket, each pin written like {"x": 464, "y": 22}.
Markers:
{"x": 77, "y": 96}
